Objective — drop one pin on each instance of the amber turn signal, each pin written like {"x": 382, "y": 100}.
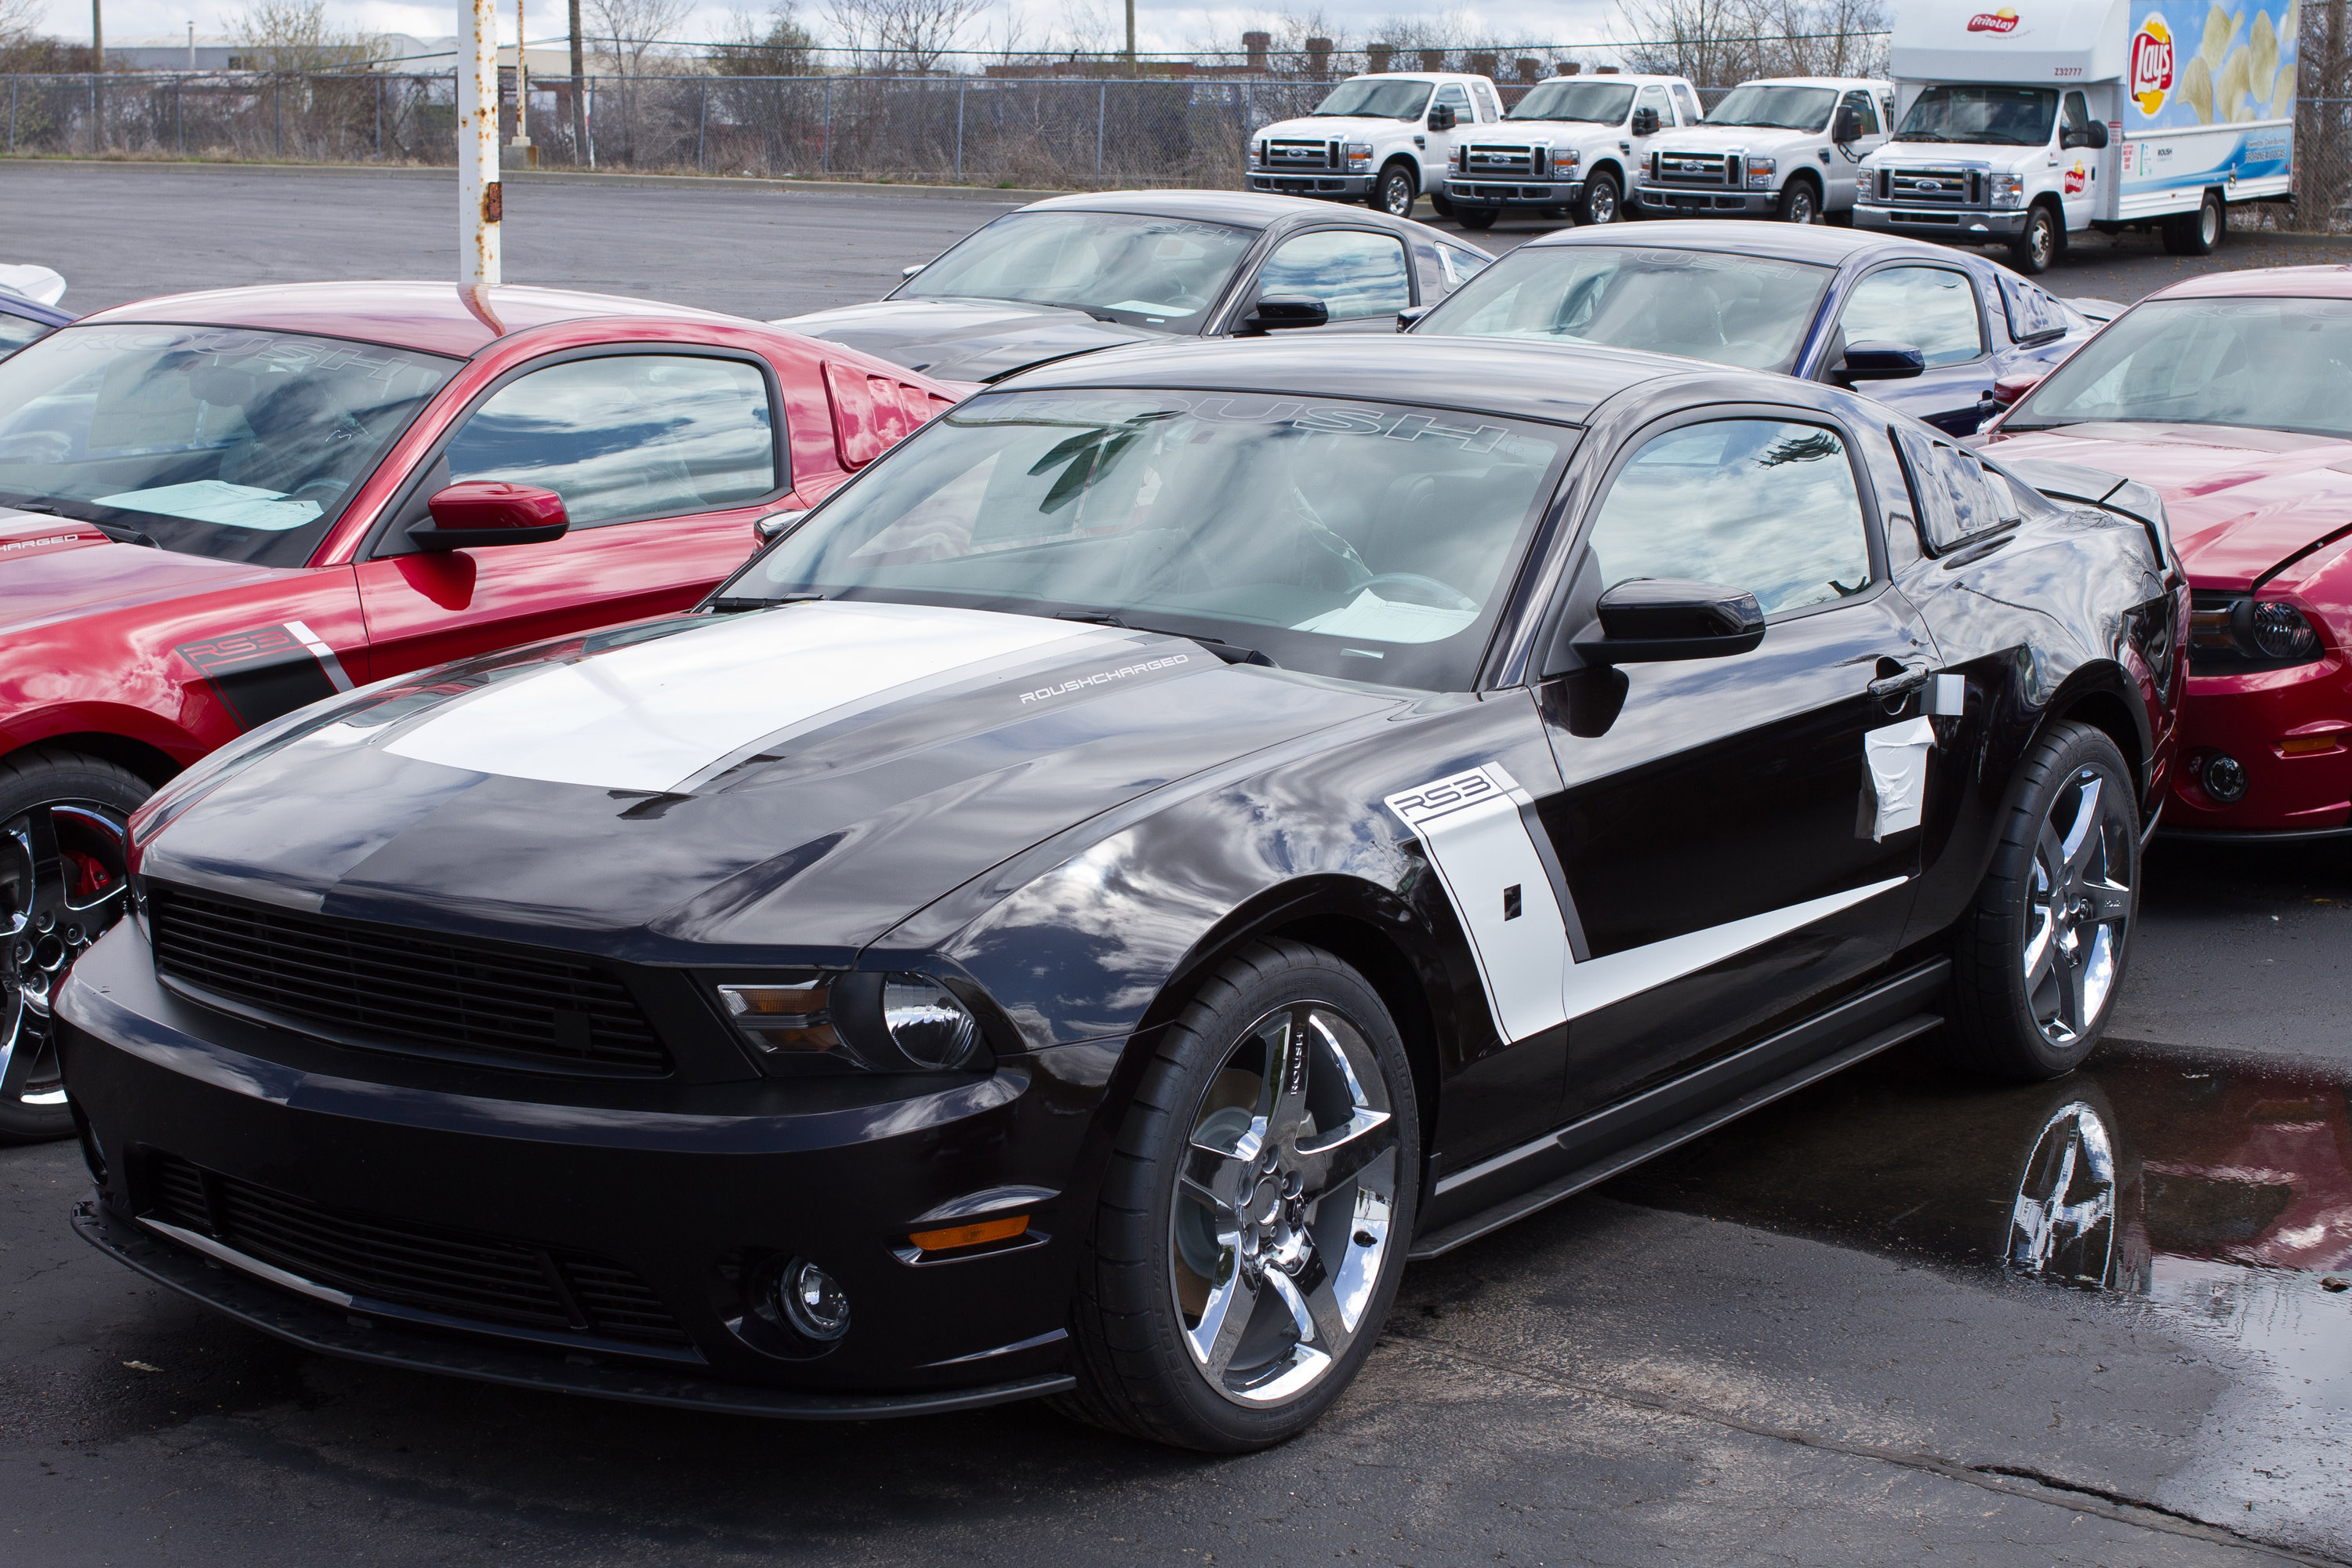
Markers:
{"x": 956, "y": 1235}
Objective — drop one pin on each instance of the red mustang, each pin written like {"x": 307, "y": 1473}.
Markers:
{"x": 2228, "y": 393}
{"x": 217, "y": 507}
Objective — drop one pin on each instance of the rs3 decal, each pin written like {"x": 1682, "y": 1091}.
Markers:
{"x": 268, "y": 670}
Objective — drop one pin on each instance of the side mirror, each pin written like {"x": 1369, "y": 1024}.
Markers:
{"x": 1411, "y": 314}
{"x": 1645, "y": 122}
{"x": 475, "y": 514}
{"x": 1440, "y": 117}
{"x": 1882, "y": 362}
{"x": 1845, "y": 126}
{"x": 2093, "y": 136}
{"x": 1648, "y": 619}
{"x": 1284, "y": 313}
{"x": 2010, "y": 388}
{"x": 774, "y": 525}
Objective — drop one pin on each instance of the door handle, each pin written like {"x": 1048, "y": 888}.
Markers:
{"x": 1914, "y": 674}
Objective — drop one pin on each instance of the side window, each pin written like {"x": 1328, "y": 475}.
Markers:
{"x": 1655, "y": 97}
{"x": 1759, "y": 504}
{"x": 1932, "y": 308}
{"x": 1864, "y": 111}
{"x": 1687, "y": 101}
{"x": 628, "y": 436}
{"x": 1957, "y": 497}
{"x": 2075, "y": 115}
{"x": 1488, "y": 109}
{"x": 15, "y": 332}
{"x": 1451, "y": 93}
{"x": 1353, "y": 273}
{"x": 2033, "y": 314}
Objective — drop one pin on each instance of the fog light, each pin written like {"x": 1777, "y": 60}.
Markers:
{"x": 2225, "y": 778}
{"x": 927, "y": 1022}
{"x": 812, "y": 1300}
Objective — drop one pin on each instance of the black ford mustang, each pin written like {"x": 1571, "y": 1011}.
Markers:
{"x": 1178, "y": 837}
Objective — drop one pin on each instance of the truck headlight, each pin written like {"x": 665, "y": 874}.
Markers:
{"x": 1257, "y": 154}
{"x": 1564, "y": 161}
{"x": 1359, "y": 157}
{"x": 1454, "y": 159}
{"x": 2008, "y": 189}
{"x": 1760, "y": 171}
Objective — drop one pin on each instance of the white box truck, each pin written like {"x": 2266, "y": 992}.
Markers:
{"x": 2022, "y": 125}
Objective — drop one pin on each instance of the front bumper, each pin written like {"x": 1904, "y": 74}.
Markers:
{"x": 1337, "y": 187}
{"x": 1968, "y": 226}
{"x": 2253, "y": 717}
{"x": 690, "y": 1189}
{"x": 1499, "y": 194}
{"x": 1675, "y": 201}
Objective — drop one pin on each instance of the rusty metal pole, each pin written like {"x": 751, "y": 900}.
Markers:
{"x": 522, "y": 88}
{"x": 480, "y": 199}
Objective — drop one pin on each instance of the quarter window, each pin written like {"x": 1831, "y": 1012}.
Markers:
{"x": 1929, "y": 308}
{"x": 628, "y": 436}
{"x": 1957, "y": 496}
{"x": 1488, "y": 109}
{"x": 1354, "y": 274}
{"x": 1760, "y": 504}
{"x": 2033, "y": 314}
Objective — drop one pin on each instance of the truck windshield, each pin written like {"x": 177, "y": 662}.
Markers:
{"x": 1603, "y": 102}
{"x": 220, "y": 441}
{"x": 1377, "y": 98}
{"x": 1776, "y": 107}
{"x": 1733, "y": 309}
{"x": 1129, "y": 268}
{"x": 1367, "y": 541}
{"x": 1985, "y": 116}
{"x": 2263, "y": 365}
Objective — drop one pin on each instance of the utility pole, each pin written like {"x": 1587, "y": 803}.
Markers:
{"x": 1130, "y": 37}
{"x": 480, "y": 197}
{"x": 97, "y": 38}
{"x": 579, "y": 92}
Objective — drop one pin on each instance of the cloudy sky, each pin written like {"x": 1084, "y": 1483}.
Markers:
{"x": 1160, "y": 24}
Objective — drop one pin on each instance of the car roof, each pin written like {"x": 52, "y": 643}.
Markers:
{"x": 1495, "y": 375}
{"x": 1243, "y": 209}
{"x": 437, "y": 318}
{"x": 2322, "y": 283}
{"x": 1817, "y": 243}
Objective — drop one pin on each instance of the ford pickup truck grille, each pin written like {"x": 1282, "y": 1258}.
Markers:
{"x": 1696, "y": 169}
{"x": 1516, "y": 162}
{"x": 1932, "y": 187}
{"x": 1284, "y": 154}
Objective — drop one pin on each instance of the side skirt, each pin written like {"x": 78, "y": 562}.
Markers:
{"x": 1613, "y": 1141}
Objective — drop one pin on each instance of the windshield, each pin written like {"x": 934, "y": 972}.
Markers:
{"x": 220, "y": 441}
{"x": 1377, "y": 98}
{"x": 1117, "y": 267}
{"x": 1994, "y": 116}
{"x": 2265, "y": 365}
{"x": 1776, "y": 107}
{"x": 1603, "y": 102}
{"x": 1733, "y": 309}
{"x": 1365, "y": 541}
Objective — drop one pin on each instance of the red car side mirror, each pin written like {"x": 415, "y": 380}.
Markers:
{"x": 2010, "y": 388}
{"x": 477, "y": 513}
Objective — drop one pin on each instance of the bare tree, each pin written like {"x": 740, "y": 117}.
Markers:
{"x": 781, "y": 48}
{"x": 290, "y": 36}
{"x": 627, "y": 32}
{"x": 1718, "y": 43}
{"x": 901, "y": 34}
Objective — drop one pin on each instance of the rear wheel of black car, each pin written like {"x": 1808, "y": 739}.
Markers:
{"x": 2198, "y": 232}
{"x": 62, "y": 880}
{"x": 2042, "y": 951}
{"x": 2036, "y": 245}
{"x": 1479, "y": 218}
{"x": 1255, "y": 1218}
{"x": 1600, "y": 203}
{"x": 1396, "y": 191}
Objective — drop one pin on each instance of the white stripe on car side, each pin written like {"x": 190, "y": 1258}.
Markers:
{"x": 652, "y": 715}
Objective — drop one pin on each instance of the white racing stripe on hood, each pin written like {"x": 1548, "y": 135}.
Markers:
{"x": 650, "y": 716}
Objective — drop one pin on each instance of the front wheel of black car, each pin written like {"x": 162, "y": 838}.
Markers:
{"x": 1256, "y": 1212}
{"x": 1396, "y": 192}
{"x": 62, "y": 876}
{"x": 2042, "y": 950}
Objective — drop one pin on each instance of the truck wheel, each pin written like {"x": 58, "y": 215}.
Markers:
{"x": 1396, "y": 192}
{"x": 2036, "y": 245}
{"x": 1439, "y": 205}
{"x": 2198, "y": 232}
{"x": 1801, "y": 203}
{"x": 1479, "y": 218}
{"x": 1600, "y": 203}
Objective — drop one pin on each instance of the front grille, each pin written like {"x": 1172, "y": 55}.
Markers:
{"x": 1697, "y": 169}
{"x": 1286, "y": 156}
{"x": 1942, "y": 187}
{"x": 1515, "y": 163}
{"x": 396, "y": 989}
{"x": 511, "y": 1284}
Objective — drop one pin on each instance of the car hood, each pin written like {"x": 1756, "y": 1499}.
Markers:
{"x": 966, "y": 340}
{"x": 52, "y": 568}
{"x": 1342, "y": 127}
{"x": 2244, "y": 505}
{"x": 718, "y": 789}
{"x": 1721, "y": 138}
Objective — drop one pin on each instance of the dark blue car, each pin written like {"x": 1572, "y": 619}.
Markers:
{"x": 1928, "y": 330}
{"x": 28, "y": 311}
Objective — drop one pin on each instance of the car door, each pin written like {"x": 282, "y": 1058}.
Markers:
{"x": 1359, "y": 275}
{"x": 1659, "y": 101}
{"x": 1844, "y": 172}
{"x": 2078, "y": 164}
{"x": 1436, "y": 147}
{"x": 663, "y": 459}
{"x": 1933, "y": 307}
{"x": 1729, "y": 866}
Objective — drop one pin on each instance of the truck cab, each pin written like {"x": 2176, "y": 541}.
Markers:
{"x": 1568, "y": 146}
{"x": 1382, "y": 139}
{"x": 2022, "y": 130}
{"x": 1784, "y": 147}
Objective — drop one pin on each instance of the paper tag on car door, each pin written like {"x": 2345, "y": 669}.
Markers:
{"x": 1896, "y": 759}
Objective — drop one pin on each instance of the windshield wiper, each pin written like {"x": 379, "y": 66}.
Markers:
{"x": 731, "y": 604}
{"x": 1921, "y": 136}
{"x": 114, "y": 530}
{"x": 1232, "y": 653}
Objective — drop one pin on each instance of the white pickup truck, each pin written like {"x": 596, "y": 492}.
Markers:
{"x": 1784, "y": 147}
{"x": 2023, "y": 127}
{"x": 1568, "y": 146}
{"x": 1380, "y": 140}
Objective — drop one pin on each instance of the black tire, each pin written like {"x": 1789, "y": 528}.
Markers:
{"x": 2200, "y": 232}
{"x": 61, "y": 885}
{"x": 1439, "y": 205}
{"x": 1603, "y": 201}
{"x": 1134, "y": 1320}
{"x": 2041, "y": 952}
{"x": 1800, "y": 200}
{"x": 1394, "y": 192}
{"x": 1477, "y": 219}
{"x": 2037, "y": 244}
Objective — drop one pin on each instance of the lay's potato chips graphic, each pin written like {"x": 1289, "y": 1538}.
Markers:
{"x": 2151, "y": 65}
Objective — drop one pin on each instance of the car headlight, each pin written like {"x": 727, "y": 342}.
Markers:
{"x": 808, "y": 1020}
{"x": 1760, "y": 171}
{"x": 2227, "y": 632}
{"x": 1564, "y": 161}
{"x": 2008, "y": 189}
{"x": 2282, "y": 633}
{"x": 927, "y": 1022}
{"x": 1359, "y": 155}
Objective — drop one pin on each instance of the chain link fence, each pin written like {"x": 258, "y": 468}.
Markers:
{"x": 1046, "y": 133}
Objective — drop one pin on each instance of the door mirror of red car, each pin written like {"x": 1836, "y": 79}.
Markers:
{"x": 773, "y": 525}
{"x": 475, "y": 514}
{"x": 2010, "y": 388}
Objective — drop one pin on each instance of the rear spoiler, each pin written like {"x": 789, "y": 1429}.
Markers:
{"x": 2099, "y": 488}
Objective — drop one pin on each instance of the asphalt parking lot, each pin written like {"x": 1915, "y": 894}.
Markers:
{"x": 1797, "y": 1341}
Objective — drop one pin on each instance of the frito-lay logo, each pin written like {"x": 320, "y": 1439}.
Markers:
{"x": 2151, "y": 65}
{"x": 2076, "y": 178}
{"x": 2001, "y": 21}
